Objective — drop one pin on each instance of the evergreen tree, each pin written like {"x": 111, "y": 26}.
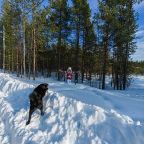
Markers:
{"x": 114, "y": 37}
{"x": 103, "y": 19}
{"x": 60, "y": 30}
{"x": 10, "y": 22}
{"x": 85, "y": 37}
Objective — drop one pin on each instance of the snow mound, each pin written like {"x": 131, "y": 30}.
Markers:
{"x": 66, "y": 121}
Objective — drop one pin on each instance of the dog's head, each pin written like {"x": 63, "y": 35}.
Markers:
{"x": 44, "y": 86}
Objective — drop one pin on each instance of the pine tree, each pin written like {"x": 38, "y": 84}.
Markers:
{"x": 103, "y": 17}
{"x": 124, "y": 42}
{"x": 85, "y": 37}
{"x": 9, "y": 23}
{"x": 115, "y": 16}
{"x": 60, "y": 30}
{"x": 76, "y": 30}
{"x": 89, "y": 41}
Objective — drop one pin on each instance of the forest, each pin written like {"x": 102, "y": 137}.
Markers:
{"x": 39, "y": 37}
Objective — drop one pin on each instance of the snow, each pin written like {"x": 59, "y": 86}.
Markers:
{"x": 74, "y": 114}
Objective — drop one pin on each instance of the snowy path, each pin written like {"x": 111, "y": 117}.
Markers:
{"x": 129, "y": 102}
{"x": 72, "y": 115}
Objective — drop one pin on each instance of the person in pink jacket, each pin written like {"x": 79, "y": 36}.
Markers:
{"x": 69, "y": 75}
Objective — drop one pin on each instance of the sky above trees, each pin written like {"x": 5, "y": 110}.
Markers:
{"x": 139, "y": 55}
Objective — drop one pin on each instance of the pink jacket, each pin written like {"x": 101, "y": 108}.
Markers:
{"x": 69, "y": 75}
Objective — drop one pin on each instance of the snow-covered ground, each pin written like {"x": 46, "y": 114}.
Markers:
{"x": 74, "y": 114}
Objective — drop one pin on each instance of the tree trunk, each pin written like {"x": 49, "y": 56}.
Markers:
{"x": 125, "y": 68}
{"x": 24, "y": 48}
{"x": 59, "y": 48}
{"x": 105, "y": 53}
{"x": 34, "y": 53}
{"x": 3, "y": 48}
{"x": 17, "y": 62}
{"x": 12, "y": 60}
{"x": 77, "y": 48}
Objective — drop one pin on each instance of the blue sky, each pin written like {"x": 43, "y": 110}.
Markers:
{"x": 139, "y": 55}
{"x": 139, "y": 8}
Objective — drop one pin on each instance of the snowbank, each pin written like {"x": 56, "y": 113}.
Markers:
{"x": 66, "y": 120}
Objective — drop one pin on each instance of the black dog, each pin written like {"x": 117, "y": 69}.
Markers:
{"x": 36, "y": 99}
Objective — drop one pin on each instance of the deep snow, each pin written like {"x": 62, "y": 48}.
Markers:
{"x": 74, "y": 114}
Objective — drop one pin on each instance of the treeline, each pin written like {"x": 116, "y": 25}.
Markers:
{"x": 138, "y": 67}
{"x": 41, "y": 37}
